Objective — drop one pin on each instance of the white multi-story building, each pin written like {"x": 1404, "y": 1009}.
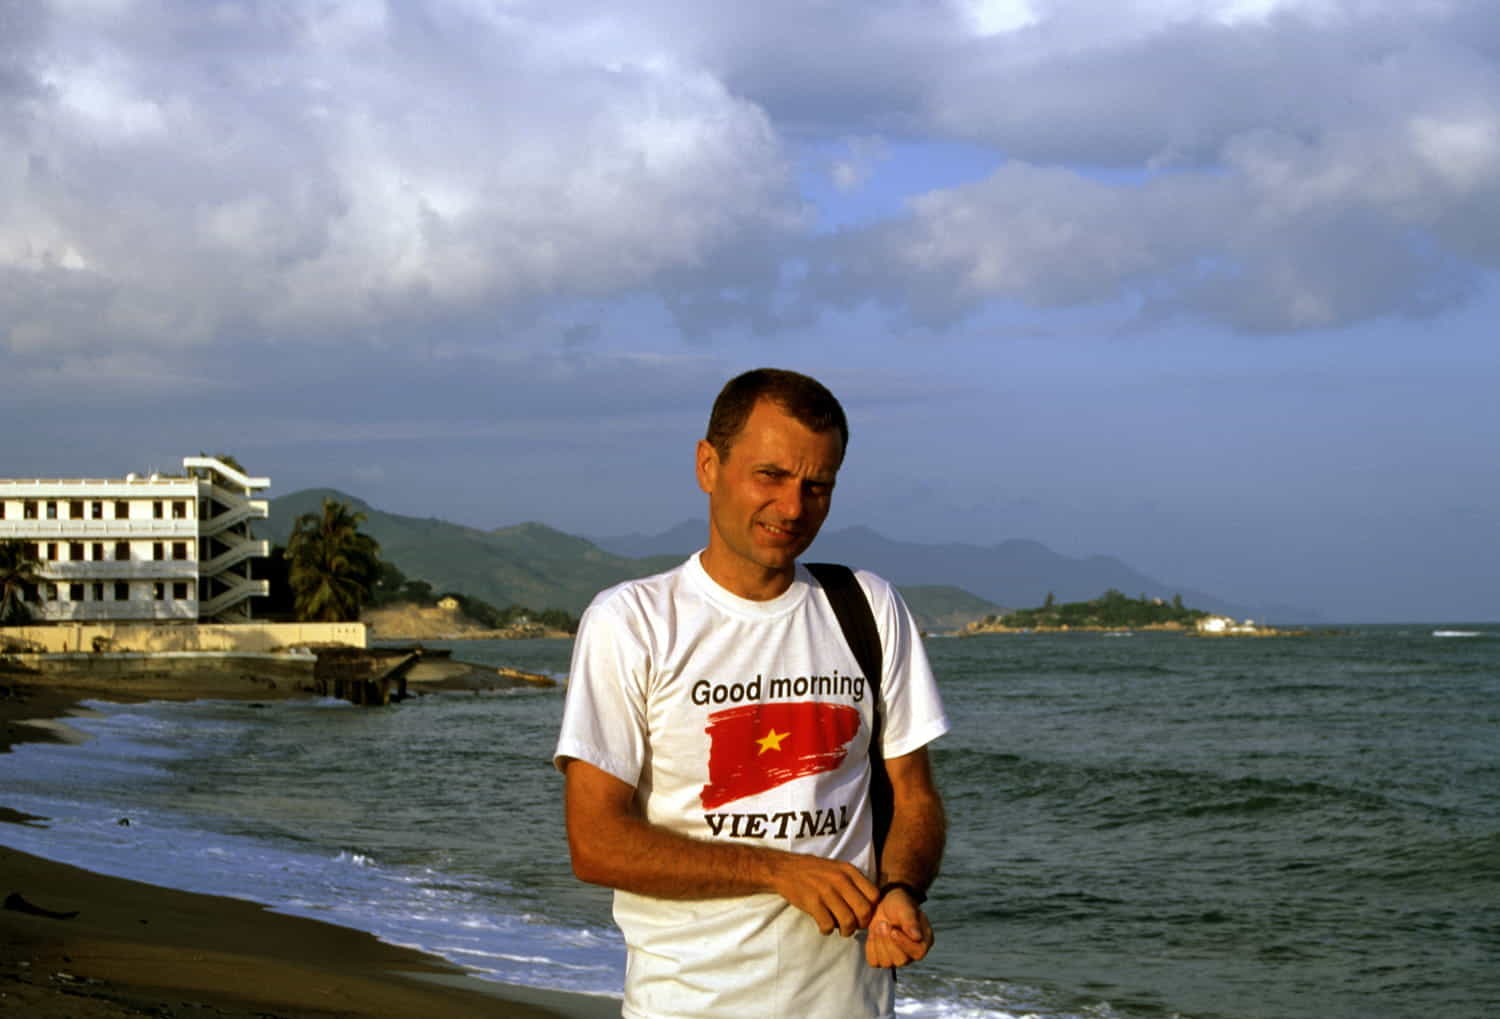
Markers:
{"x": 153, "y": 548}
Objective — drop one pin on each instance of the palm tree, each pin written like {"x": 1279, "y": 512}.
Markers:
{"x": 18, "y": 576}
{"x": 332, "y": 567}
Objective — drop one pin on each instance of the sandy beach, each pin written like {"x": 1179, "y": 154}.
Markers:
{"x": 78, "y": 944}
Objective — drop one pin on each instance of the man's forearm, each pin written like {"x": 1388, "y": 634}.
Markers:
{"x": 633, "y": 855}
{"x": 913, "y": 849}
{"x": 613, "y": 845}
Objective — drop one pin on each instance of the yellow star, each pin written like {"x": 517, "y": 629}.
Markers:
{"x": 772, "y": 740}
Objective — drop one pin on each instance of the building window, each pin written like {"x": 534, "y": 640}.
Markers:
{"x": 179, "y": 550}
{"x": 28, "y": 509}
{"x": 98, "y": 551}
{"x": 75, "y": 551}
{"x": 122, "y": 509}
{"x": 96, "y": 510}
{"x": 2, "y": 509}
{"x": 75, "y": 509}
{"x": 122, "y": 551}
{"x": 159, "y": 591}
{"x": 51, "y": 510}
{"x": 122, "y": 590}
{"x": 158, "y": 509}
{"x": 98, "y": 590}
{"x": 179, "y": 589}
{"x": 51, "y": 552}
{"x": 75, "y": 592}
{"x": 179, "y": 509}
{"x": 158, "y": 551}
{"x": 51, "y": 591}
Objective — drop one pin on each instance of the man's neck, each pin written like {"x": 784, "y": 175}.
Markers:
{"x": 749, "y": 583}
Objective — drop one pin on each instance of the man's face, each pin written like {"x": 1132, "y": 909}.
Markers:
{"x": 766, "y": 499}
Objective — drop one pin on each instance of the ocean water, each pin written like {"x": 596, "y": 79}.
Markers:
{"x": 1141, "y": 826}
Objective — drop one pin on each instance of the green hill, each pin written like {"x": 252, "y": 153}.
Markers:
{"x": 539, "y": 567}
{"x": 528, "y": 564}
{"x": 938, "y": 608}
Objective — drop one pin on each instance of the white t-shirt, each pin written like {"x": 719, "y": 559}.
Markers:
{"x": 746, "y": 720}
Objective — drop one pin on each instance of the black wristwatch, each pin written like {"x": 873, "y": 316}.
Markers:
{"x": 917, "y": 895}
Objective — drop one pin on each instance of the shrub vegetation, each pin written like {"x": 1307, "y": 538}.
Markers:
{"x": 1110, "y": 610}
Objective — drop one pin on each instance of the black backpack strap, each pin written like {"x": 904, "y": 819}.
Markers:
{"x": 856, "y": 619}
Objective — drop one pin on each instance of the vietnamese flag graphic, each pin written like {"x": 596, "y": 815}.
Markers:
{"x": 757, "y": 747}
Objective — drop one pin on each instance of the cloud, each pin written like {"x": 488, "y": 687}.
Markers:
{"x": 854, "y": 171}
{"x": 177, "y": 176}
{"x": 1284, "y": 236}
{"x": 325, "y": 170}
{"x": 1263, "y": 170}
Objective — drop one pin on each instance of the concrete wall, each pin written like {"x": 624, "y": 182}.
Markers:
{"x": 138, "y": 673}
{"x": 149, "y": 637}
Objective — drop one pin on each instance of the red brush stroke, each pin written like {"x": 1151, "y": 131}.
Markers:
{"x": 816, "y": 739}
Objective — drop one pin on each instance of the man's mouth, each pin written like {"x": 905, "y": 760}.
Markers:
{"x": 785, "y": 534}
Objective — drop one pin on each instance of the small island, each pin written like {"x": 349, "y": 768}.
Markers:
{"x": 1115, "y": 612}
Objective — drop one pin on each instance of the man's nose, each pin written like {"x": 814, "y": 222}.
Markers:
{"x": 791, "y": 501}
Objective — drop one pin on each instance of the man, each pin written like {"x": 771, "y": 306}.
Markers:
{"x": 715, "y": 745}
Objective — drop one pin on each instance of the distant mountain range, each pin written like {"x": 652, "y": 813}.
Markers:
{"x": 534, "y": 565}
{"x": 1013, "y": 574}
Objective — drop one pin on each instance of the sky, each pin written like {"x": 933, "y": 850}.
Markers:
{"x": 1206, "y": 285}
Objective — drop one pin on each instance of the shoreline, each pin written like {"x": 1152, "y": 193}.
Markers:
{"x": 136, "y": 949}
{"x": 982, "y": 629}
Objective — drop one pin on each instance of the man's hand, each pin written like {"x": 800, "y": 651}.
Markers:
{"x": 837, "y": 895}
{"x": 899, "y": 932}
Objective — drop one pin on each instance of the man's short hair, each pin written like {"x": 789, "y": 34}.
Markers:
{"x": 801, "y": 396}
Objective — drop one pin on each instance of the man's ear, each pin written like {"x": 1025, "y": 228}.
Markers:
{"x": 707, "y": 464}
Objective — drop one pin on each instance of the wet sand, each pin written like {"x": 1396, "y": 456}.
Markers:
{"x": 78, "y": 944}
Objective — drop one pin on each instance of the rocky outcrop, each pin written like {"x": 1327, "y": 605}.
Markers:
{"x": 442, "y": 622}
